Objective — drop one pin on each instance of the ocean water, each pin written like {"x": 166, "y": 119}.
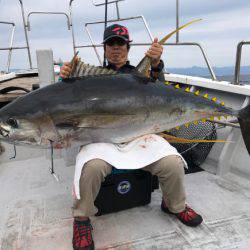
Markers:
{"x": 244, "y": 79}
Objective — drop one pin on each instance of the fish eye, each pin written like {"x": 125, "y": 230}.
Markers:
{"x": 12, "y": 122}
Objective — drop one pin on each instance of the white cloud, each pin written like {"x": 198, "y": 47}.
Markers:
{"x": 224, "y": 24}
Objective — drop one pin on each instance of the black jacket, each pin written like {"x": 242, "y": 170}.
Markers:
{"x": 128, "y": 68}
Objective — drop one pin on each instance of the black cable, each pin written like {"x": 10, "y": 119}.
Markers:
{"x": 12, "y": 88}
{"x": 14, "y": 147}
{"x": 51, "y": 157}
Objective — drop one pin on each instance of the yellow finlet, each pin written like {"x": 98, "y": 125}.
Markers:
{"x": 177, "y": 86}
{"x": 187, "y": 89}
{"x": 203, "y": 119}
{"x": 195, "y": 122}
{"x": 219, "y": 117}
{"x": 187, "y": 125}
{"x": 206, "y": 96}
{"x": 197, "y": 92}
{"x": 222, "y": 103}
{"x": 177, "y": 127}
{"x": 212, "y": 118}
{"x": 214, "y": 99}
{"x": 167, "y": 83}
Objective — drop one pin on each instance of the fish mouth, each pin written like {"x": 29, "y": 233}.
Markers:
{"x": 4, "y": 130}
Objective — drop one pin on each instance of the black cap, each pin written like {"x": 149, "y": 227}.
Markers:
{"x": 116, "y": 30}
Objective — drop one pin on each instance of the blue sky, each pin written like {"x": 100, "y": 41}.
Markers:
{"x": 225, "y": 23}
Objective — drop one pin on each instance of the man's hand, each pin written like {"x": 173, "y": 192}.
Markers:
{"x": 65, "y": 70}
{"x": 154, "y": 53}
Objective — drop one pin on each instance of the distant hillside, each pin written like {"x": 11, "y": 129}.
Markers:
{"x": 200, "y": 71}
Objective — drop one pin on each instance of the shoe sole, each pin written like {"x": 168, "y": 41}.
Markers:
{"x": 91, "y": 247}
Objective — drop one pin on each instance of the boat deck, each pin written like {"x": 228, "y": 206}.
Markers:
{"x": 35, "y": 210}
{"x": 36, "y": 213}
{"x": 24, "y": 82}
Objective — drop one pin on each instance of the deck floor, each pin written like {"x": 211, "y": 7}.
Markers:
{"x": 35, "y": 213}
{"x": 24, "y": 82}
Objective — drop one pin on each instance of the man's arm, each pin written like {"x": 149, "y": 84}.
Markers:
{"x": 157, "y": 65}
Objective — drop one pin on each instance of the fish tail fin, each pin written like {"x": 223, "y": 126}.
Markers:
{"x": 244, "y": 120}
{"x": 144, "y": 66}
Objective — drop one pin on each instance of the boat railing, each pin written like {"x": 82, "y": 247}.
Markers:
{"x": 95, "y": 3}
{"x": 93, "y": 45}
{"x": 238, "y": 61}
{"x": 25, "y": 33}
{"x": 111, "y": 21}
{"x": 10, "y": 48}
{"x": 119, "y": 19}
{"x": 116, "y": 2}
{"x": 27, "y": 27}
{"x": 46, "y": 13}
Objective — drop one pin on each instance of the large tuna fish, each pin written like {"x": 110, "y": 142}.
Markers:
{"x": 107, "y": 108}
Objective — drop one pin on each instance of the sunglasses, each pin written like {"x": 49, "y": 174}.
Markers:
{"x": 119, "y": 42}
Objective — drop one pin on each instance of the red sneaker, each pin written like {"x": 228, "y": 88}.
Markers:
{"x": 188, "y": 216}
{"x": 82, "y": 236}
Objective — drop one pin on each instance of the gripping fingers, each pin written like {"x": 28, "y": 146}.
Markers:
{"x": 65, "y": 70}
{"x": 157, "y": 48}
{"x": 153, "y": 54}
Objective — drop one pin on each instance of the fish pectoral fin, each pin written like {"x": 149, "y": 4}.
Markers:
{"x": 48, "y": 131}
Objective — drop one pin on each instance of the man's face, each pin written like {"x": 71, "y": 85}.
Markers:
{"x": 116, "y": 51}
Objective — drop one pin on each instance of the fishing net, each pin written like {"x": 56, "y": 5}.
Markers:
{"x": 195, "y": 153}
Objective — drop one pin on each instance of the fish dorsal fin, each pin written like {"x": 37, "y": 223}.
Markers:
{"x": 144, "y": 65}
{"x": 82, "y": 69}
